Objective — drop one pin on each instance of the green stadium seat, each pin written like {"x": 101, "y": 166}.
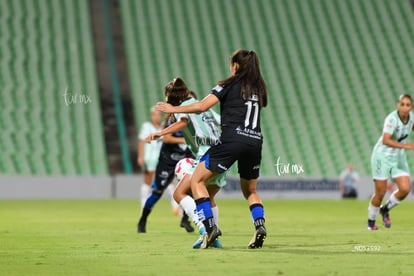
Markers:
{"x": 47, "y": 47}
{"x": 334, "y": 68}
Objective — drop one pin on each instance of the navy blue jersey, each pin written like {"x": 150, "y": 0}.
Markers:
{"x": 170, "y": 154}
{"x": 240, "y": 118}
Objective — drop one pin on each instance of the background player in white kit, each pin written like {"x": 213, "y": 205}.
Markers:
{"x": 148, "y": 157}
{"x": 389, "y": 161}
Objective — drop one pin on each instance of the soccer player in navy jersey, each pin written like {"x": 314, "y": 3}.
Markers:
{"x": 241, "y": 97}
{"x": 172, "y": 150}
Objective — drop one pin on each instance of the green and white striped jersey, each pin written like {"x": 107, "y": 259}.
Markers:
{"x": 203, "y": 129}
{"x": 399, "y": 132}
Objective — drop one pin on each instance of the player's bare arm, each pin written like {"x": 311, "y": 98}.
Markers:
{"x": 388, "y": 141}
{"x": 195, "y": 107}
{"x": 171, "y": 129}
{"x": 169, "y": 139}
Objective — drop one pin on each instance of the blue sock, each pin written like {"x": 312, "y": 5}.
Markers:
{"x": 151, "y": 200}
{"x": 205, "y": 213}
{"x": 257, "y": 212}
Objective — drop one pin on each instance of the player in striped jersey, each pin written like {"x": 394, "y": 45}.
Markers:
{"x": 201, "y": 131}
{"x": 388, "y": 160}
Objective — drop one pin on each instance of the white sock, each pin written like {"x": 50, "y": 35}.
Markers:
{"x": 189, "y": 207}
{"x": 372, "y": 211}
{"x": 392, "y": 201}
{"x": 215, "y": 215}
{"x": 145, "y": 193}
{"x": 171, "y": 189}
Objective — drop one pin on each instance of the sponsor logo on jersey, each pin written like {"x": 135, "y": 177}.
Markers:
{"x": 177, "y": 156}
{"x": 402, "y": 138}
{"x": 249, "y": 133}
{"x": 222, "y": 167}
{"x": 218, "y": 88}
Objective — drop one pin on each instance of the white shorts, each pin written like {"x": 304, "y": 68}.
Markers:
{"x": 386, "y": 167}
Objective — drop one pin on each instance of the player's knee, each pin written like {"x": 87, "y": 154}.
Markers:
{"x": 404, "y": 186}
{"x": 404, "y": 190}
{"x": 380, "y": 194}
{"x": 178, "y": 195}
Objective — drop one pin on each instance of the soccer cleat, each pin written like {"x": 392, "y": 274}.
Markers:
{"x": 209, "y": 238}
{"x": 186, "y": 224}
{"x": 372, "y": 226}
{"x": 258, "y": 238}
{"x": 385, "y": 218}
{"x": 216, "y": 243}
{"x": 141, "y": 227}
{"x": 200, "y": 239}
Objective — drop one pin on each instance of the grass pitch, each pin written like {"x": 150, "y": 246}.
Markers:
{"x": 98, "y": 237}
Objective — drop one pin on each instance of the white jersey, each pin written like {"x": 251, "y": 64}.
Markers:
{"x": 151, "y": 150}
{"x": 399, "y": 132}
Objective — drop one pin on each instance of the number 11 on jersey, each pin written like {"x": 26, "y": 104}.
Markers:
{"x": 247, "y": 120}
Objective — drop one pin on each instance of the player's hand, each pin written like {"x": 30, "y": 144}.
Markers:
{"x": 409, "y": 146}
{"x": 152, "y": 137}
{"x": 164, "y": 107}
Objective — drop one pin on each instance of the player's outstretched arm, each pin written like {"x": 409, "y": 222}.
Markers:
{"x": 168, "y": 130}
{"x": 170, "y": 139}
{"x": 409, "y": 146}
{"x": 195, "y": 107}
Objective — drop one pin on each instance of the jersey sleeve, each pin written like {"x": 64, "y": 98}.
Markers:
{"x": 179, "y": 116}
{"x": 219, "y": 92}
{"x": 389, "y": 125}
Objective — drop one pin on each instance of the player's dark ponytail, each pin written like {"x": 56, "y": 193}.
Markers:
{"x": 248, "y": 73}
{"x": 176, "y": 91}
